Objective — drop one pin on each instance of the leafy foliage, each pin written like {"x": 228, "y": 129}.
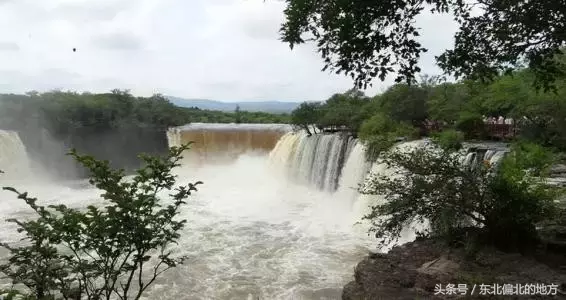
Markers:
{"x": 368, "y": 39}
{"x": 347, "y": 110}
{"x": 472, "y": 125}
{"x": 531, "y": 157}
{"x": 405, "y": 103}
{"x": 538, "y": 116}
{"x": 380, "y": 132}
{"x": 117, "y": 248}
{"x": 431, "y": 184}
{"x": 238, "y": 115}
{"x": 307, "y": 114}
{"x": 447, "y": 100}
{"x": 506, "y": 34}
{"x": 65, "y": 113}
{"x": 449, "y": 139}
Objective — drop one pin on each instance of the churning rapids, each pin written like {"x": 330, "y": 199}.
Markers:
{"x": 275, "y": 221}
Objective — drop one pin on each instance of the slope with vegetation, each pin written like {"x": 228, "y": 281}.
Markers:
{"x": 116, "y": 126}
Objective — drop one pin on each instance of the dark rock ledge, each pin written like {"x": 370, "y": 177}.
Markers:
{"x": 412, "y": 271}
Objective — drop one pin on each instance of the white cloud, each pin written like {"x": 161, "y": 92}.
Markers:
{"x": 218, "y": 49}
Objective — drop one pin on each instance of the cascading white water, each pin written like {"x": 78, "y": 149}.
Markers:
{"x": 364, "y": 202}
{"x": 469, "y": 159}
{"x": 259, "y": 234}
{"x": 251, "y": 232}
{"x": 496, "y": 157}
{"x": 14, "y": 160}
{"x": 492, "y": 155}
{"x": 353, "y": 173}
{"x": 315, "y": 160}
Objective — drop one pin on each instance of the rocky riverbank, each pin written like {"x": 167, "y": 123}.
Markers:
{"x": 424, "y": 269}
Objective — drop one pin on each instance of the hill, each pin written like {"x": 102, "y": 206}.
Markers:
{"x": 262, "y": 106}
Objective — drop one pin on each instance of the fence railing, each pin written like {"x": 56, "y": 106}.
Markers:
{"x": 503, "y": 131}
{"x": 497, "y": 131}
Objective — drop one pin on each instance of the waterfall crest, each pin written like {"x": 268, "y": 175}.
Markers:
{"x": 220, "y": 142}
{"x": 319, "y": 160}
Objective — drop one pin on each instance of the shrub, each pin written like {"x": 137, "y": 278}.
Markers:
{"x": 430, "y": 184}
{"x": 472, "y": 125}
{"x": 449, "y": 139}
{"x": 116, "y": 249}
{"x": 380, "y": 132}
{"x": 532, "y": 157}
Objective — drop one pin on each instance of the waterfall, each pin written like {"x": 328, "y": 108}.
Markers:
{"x": 363, "y": 202}
{"x": 496, "y": 157}
{"x": 217, "y": 142}
{"x": 315, "y": 160}
{"x": 14, "y": 160}
{"x": 476, "y": 154}
{"x": 354, "y": 171}
{"x": 336, "y": 163}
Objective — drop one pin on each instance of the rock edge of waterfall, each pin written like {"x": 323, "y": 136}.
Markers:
{"x": 413, "y": 270}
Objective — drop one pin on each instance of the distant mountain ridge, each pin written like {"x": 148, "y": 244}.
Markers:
{"x": 263, "y": 106}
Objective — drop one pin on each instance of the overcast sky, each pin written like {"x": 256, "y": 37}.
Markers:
{"x": 215, "y": 49}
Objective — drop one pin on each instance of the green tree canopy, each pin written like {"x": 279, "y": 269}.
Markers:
{"x": 307, "y": 114}
{"x": 368, "y": 39}
{"x": 405, "y": 103}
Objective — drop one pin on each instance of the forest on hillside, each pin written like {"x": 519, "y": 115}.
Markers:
{"x": 65, "y": 112}
{"x": 115, "y": 126}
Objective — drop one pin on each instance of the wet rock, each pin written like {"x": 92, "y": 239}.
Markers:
{"x": 554, "y": 238}
{"x": 413, "y": 271}
{"x": 558, "y": 169}
{"x": 440, "y": 270}
{"x": 439, "y": 266}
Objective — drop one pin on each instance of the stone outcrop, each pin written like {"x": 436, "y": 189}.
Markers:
{"x": 414, "y": 271}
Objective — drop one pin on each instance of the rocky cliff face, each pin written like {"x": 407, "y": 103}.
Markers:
{"x": 424, "y": 269}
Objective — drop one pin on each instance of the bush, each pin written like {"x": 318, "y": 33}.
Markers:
{"x": 432, "y": 185}
{"x": 449, "y": 139}
{"x": 472, "y": 125}
{"x": 532, "y": 157}
{"x": 380, "y": 132}
{"x": 113, "y": 250}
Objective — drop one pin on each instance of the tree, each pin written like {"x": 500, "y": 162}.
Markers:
{"x": 368, "y": 39}
{"x": 346, "y": 109}
{"x": 449, "y": 139}
{"x": 447, "y": 100}
{"x": 405, "y": 103}
{"x": 115, "y": 249}
{"x": 431, "y": 184}
{"x": 380, "y": 132}
{"x": 472, "y": 125}
{"x": 238, "y": 115}
{"x": 307, "y": 114}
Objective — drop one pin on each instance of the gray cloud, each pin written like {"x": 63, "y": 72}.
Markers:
{"x": 118, "y": 41}
{"x": 221, "y": 49}
{"x": 93, "y": 10}
{"x": 7, "y": 46}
